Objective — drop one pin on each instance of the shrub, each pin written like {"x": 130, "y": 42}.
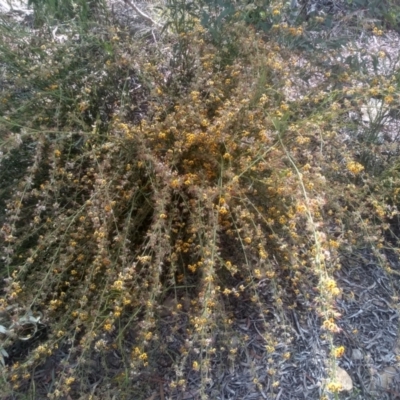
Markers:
{"x": 238, "y": 177}
{"x": 82, "y": 11}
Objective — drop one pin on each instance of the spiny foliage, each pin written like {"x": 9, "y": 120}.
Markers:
{"x": 242, "y": 170}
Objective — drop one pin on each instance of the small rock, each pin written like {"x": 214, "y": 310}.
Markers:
{"x": 344, "y": 379}
{"x": 356, "y": 354}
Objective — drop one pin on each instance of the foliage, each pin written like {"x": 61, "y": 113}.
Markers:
{"x": 386, "y": 11}
{"x": 51, "y": 11}
{"x": 225, "y": 169}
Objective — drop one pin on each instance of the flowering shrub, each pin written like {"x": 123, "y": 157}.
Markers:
{"x": 204, "y": 185}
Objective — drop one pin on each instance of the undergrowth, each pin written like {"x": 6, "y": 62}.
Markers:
{"x": 169, "y": 184}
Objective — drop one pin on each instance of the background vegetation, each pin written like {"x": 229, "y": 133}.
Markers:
{"x": 154, "y": 179}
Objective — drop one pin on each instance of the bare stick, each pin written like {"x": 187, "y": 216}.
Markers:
{"x": 141, "y": 13}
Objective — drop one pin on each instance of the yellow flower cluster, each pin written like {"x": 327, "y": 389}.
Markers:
{"x": 108, "y": 327}
{"x": 378, "y": 32}
{"x": 140, "y": 355}
{"x": 334, "y": 387}
{"x": 354, "y": 167}
{"x": 389, "y": 99}
{"x": 295, "y": 31}
{"x": 330, "y": 325}
{"x": 338, "y": 351}
{"x": 330, "y": 286}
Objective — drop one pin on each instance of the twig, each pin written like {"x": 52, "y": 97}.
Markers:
{"x": 141, "y": 13}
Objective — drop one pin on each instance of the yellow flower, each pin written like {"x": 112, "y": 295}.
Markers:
{"x": 334, "y": 387}
{"x": 263, "y": 99}
{"x": 302, "y": 140}
{"x": 338, "y": 351}
{"x": 269, "y": 348}
{"x": 354, "y": 167}
{"x": 377, "y": 31}
{"x": 118, "y": 285}
{"x": 263, "y": 255}
{"x": 192, "y": 268}
{"x": 284, "y": 107}
{"x": 257, "y": 273}
{"x": 335, "y": 106}
{"x": 330, "y": 325}
{"x": 223, "y": 211}
{"x": 330, "y": 284}
{"x": 135, "y": 352}
{"x": 270, "y": 274}
{"x": 175, "y": 183}
{"x": 108, "y": 327}
{"x": 389, "y": 99}
{"x": 333, "y": 243}
{"x": 69, "y": 380}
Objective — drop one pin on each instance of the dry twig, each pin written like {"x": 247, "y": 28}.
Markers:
{"x": 141, "y": 13}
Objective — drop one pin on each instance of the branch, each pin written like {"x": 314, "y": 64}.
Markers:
{"x": 141, "y": 13}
